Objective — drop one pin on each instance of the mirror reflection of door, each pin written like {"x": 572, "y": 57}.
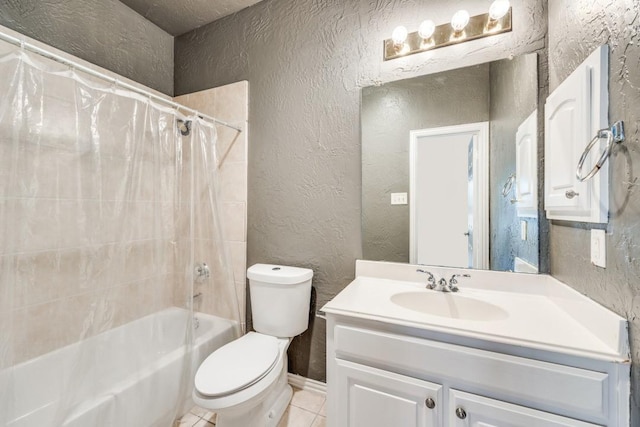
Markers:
{"x": 446, "y": 188}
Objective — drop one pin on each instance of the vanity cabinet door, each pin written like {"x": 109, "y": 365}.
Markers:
{"x": 469, "y": 410}
{"x": 527, "y": 167}
{"x": 372, "y": 397}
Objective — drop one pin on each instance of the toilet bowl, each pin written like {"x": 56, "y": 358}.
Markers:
{"x": 245, "y": 381}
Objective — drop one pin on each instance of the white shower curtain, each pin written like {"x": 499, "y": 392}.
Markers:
{"x": 104, "y": 210}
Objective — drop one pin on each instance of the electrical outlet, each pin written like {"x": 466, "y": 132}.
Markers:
{"x": 398, "y": 198}
{"x": 599, "y": 248}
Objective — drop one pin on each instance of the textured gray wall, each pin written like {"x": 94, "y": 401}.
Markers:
{"x": 305, "y": 62}
{"x": 104, "y": 32}
{"x": 178, "y": 17}
{"x": 577, "y": 28}
{"x": 389, "y": 112}
{"x": 514, "y": 96}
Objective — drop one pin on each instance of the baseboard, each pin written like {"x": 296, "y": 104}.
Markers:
{"x": 307, "y": 384}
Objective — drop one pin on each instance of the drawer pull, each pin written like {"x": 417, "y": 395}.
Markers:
{"x": 461, "y": 413}
{"x": 430, "y": 403}
{"x": 570, "y": 194}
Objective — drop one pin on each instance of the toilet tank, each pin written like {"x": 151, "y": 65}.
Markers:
{"x": 280, "y": 298}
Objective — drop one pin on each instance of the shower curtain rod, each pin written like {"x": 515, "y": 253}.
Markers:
{"x": 51, "y": 55}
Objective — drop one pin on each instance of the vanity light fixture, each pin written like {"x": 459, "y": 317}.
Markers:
{"x": 462, "y": 28}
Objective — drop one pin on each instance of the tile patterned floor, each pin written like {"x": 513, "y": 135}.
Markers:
{"x": 307, "y": 409}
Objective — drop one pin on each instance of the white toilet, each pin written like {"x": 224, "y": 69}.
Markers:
{"x": 245, "y": 382}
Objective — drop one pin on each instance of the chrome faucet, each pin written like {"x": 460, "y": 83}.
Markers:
{"x": 442, "y": 285}
{"x": 431, "y": 279}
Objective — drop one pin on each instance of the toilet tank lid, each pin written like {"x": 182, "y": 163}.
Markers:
{"x": 279, "y": 274}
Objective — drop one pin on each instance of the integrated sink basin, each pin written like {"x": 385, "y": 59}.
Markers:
{"x": 450, "y": 305}
{"x": 523, "y": 310}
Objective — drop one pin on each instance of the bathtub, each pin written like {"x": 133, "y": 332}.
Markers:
{"x": 127, "y": 376}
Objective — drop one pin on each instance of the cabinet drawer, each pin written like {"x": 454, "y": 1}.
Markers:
{"x": 469, "y": 410}
{"x": 574, "y": 392}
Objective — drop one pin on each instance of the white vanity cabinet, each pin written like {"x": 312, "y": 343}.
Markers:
{"x": 381, "y": 375}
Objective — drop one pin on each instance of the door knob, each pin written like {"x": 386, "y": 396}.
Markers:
{"x": 461, "y": 413}
{"x": 570, "y": 194}
{"x": 430, "y": 403}
{"x": 466, "y": 234}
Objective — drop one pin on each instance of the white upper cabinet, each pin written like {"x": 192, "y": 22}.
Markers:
{"x": 527, "y": 167}
{"x": 574, "y": 113}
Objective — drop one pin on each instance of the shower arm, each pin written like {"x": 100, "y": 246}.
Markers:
{"x": 19, "y": 41}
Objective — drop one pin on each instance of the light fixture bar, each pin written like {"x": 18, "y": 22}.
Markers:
{"x": 479, "y": 26}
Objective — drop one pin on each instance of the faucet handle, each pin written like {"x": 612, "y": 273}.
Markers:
{"x": 431, "y": 280}
{"x": 453, "y": 281}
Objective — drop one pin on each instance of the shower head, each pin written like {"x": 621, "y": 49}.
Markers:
{"x": 185, "y": 127}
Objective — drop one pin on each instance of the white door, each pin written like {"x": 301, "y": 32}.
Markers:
{"x": 369, "y": 397}
{"x": 449, "y": 213}
{"x": 470, "y": 410}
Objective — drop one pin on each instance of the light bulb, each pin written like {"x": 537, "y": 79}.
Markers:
{"x": 399, "y": 35}
{"x": 426, "y": 29}
{"x": 460, "y": 20}
{"x": 498, "y": 9}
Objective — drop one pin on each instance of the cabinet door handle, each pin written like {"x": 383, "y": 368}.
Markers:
{"x": 570, "y": 194}
{"x": 461, "y": 413}
{"x": 430, "y": 403}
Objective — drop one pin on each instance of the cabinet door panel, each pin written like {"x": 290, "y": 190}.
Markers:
{"x": 567, "y": 117}
{"x": 527, "y": 167}
{"x": 375, "y": 398}
{"x": 484, "y": 412}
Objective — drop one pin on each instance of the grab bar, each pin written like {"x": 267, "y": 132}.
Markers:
{"x": 614, "y": 134}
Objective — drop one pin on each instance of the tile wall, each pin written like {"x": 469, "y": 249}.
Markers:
{"x": 82, "y": 250}
{"x": 230, "y": 104}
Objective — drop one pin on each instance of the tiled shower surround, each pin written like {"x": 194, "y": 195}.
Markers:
{"x": 63, "y": 280}
{"x": 230, "y": 104}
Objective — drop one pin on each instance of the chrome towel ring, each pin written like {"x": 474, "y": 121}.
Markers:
{"x": 615, "y": 134}
{"x": 508, "y": 185}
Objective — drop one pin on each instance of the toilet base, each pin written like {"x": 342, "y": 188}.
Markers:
{"x": 267, "y": 413}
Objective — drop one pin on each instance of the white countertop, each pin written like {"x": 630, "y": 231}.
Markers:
{"x": 542, "y": 313}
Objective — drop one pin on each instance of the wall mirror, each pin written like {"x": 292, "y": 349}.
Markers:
{"x": 450, "y": 170}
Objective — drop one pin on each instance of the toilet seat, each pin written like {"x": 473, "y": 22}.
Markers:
{"x": 237, "y": 365}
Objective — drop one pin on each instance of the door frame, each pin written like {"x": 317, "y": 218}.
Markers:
{"x": 479, "y": 131}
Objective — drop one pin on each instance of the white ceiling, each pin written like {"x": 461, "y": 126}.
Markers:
{"x": 180, "y": 16}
